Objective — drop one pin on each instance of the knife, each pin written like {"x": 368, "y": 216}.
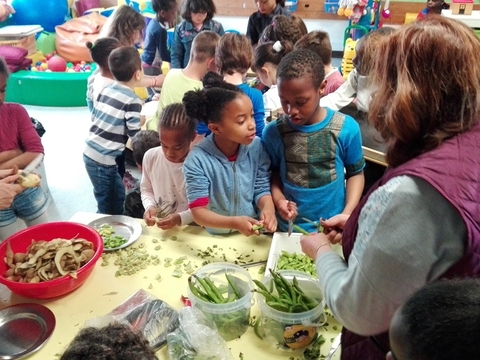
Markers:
{"x": 31, "y": 167}
{"x": 336, "y": 343}
{"x": 290, "y": 224}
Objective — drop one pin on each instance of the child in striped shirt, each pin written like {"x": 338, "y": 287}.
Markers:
{"x": 116, "y": 117}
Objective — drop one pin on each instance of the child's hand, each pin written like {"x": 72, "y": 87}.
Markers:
{"x": 287, "y": 209}
{"x": 269, "y": 221}
{"x": 149, "y": 215}
{"x": 169, "y": 222}
{"x": 244, "y": 225}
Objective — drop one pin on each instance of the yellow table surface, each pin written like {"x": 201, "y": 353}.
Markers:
{"x": 102, "y": 291}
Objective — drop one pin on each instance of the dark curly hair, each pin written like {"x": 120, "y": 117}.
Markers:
{"x": 197, "y": 6}
{"x": 302, "y": 63}
{"x": 174, "y": 117}
{"x": 319, "y": 42}
{"x": 101, "y": 49}
{"x": 142, "y": 142}
{"x": 207, "y": 104}
{"x": 283, "y": 27}
{"x": 112, "y": 342}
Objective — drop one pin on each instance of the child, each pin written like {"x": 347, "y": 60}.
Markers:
{"x": 155, "y": 49}
{"x": 266, "y": 58}
{"x": 99, "y": 51}
{"x": 116, "y": 116}
{"x": 319, "y": 43}
{"x": 163, "y": 183}
{"x": 197, "y": 15}
{"x": 357, "y": 85}
{"x": 259, "y": 20}
{"x": 114, "y": 342}
{"x": 313, "y": 150}
{"x": 283, "y": 27}
{"x": 233, "y": 58}
{"x": 19, "y": 145}
{"x": 141, "y": 143}
{"x": 227, "y": 173}
{"x": 433, "y": 7}
{"x": 439, "y": 322}
{"x": 179, "y": 81}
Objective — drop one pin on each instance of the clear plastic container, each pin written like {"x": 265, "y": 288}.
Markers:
{"x": 232, "y": 318}
{"x": 292, "y": 330}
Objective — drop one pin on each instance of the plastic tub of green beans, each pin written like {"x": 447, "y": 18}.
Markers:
{"x": 292, "y": 308}
{"x": 223, "y": 292}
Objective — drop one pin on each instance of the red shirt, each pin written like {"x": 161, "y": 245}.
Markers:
{"x": 334, "y": 81}
{"x": 17, "y": 131}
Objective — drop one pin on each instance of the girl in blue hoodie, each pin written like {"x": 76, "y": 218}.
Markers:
{"x": 227, "y": 173}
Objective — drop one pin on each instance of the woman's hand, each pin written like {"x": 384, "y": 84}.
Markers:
{"x": 8, "y": 190}
{"x": 314, "y": 245}
{"x": 169, "y": 222}
{"x": 333, "y": 227}
{"x": 244, "y": 225}
{"x": 287, "y": 209}
{"x": 269, "y": 221}
{"x": 150, "y": 216}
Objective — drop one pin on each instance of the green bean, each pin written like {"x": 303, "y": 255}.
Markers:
{"x": 234, "y": 288}
{"x": 300, "y": 230}
{"x": 260, "y": 285}
{"x": 214, "y": 289}
{"x": 207, "y": 288}
{"x": 267, "y": 295}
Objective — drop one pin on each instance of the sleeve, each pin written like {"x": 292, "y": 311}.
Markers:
{"x": 151, "y": 43}
{"x": 220, "y": 31}
{"x": 400, "y": 247}
{"x": 344, "y": 95}
{"x": 132, "y": 117}
{"x": 262, "y": 179}
{"x": 251, "y": 31}
{"x": 146, "y": 188}
{"x": 258, "y": 112}
{"x": 177, "y": 50}
{"x": 186, "y": 217}
{"x": 196, "y": 181}
{"x": 351, "y": 147}
{"x": 162, "y": 45}
{"x": 29, "y": 139}
{"x": 273, "y": 145}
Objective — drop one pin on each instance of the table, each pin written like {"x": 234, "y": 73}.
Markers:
{"x": 102, "y": 292}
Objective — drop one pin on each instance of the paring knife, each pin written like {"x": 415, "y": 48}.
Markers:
{"x": 31, "y": 167}
{"x": 335, "y": 345}
{"x": 290, "y": 224}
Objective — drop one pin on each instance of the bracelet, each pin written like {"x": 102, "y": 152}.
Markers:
{"x": 319, "y": 246}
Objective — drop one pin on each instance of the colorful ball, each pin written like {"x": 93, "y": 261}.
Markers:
{"x": 44, "y": 66}
{"x": 57, "y": 64}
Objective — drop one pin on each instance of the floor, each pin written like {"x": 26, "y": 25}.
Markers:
{"x": 68, "y": 182}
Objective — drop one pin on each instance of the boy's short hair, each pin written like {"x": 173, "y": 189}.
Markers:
{"x": 302, "y": 63}
{"x": 234, "y": 53}
{"x": 439, "y": 322}
{"x": 124, "y": 62}
{"x": 204, "y": 45}
{"x": 142, "y": 142}
{"x": 319, "y": 42}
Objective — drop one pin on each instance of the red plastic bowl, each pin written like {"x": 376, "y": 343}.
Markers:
{"x": 49, "y": 231}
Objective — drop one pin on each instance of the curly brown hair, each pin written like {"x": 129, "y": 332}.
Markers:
{"x": 112, "y": 342}
{"x": 283, "y": 28}
{"x": 427, "y": 84}
{"x": 123, "y": 24}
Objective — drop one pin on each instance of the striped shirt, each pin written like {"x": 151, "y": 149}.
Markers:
{"x": 116, "y": 117}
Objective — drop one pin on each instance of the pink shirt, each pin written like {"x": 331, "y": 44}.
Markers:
{"x": 17, "y": 131}
{"x": 334, "y": 81}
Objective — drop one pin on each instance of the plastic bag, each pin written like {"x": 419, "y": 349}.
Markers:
{"x": 144, "y": 312}
{"x": 196, "y": 338}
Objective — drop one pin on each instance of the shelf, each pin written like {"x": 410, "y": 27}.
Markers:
{"x": 472, "y": 20}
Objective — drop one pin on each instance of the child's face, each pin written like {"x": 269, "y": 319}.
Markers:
{"x": 237, "y": 124}
{"x": 198, "y": 18}
{"x": 175, "y": 144}
{"x": 434, "y": 5}
{"x": 300, "y": 100}
{"x": 168, "y": 16}
{"x": 3, "y": 89}
{"x": 266, "y": 7}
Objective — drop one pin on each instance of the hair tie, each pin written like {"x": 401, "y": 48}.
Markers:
{"x": 277, "y": 47}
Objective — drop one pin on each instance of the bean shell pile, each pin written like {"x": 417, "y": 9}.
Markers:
{"x": 48, "y": 260}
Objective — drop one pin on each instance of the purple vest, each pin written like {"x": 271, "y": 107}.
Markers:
{"x": 453, "y": 169}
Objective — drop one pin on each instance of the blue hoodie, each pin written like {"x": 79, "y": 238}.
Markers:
{"x": 233, "y": 188}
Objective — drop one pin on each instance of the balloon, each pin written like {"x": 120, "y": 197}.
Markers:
{"x": 48, "y": 14}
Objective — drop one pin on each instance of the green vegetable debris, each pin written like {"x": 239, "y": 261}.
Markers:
{"x": 300, "y": 262}
{"x": 110, "y": 240}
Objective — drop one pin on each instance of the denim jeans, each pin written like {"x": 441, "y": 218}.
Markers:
{"x": 28, "y": 205}
{"x": 108, "y": 187}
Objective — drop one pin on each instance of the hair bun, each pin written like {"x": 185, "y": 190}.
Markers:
{"x": 89, "y": 45}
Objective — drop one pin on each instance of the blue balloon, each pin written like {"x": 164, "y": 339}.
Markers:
{"x": 48, "y": 13}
